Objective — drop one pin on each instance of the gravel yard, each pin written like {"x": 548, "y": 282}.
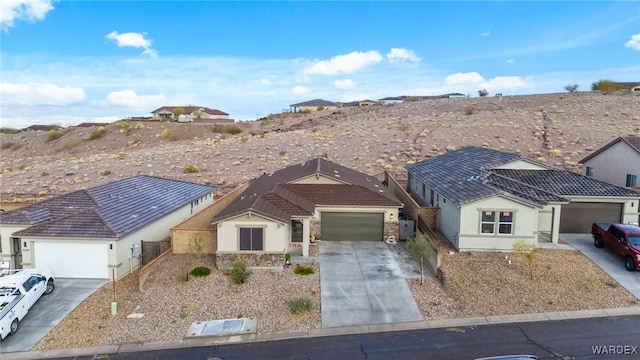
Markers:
{"x": 476, "y": 284}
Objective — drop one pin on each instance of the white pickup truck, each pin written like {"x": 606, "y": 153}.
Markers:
{"x": 19, "y": 290}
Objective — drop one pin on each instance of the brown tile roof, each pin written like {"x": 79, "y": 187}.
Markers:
{"x": 273, "y": 196}
{"x": 631, "y": 140}
{"x": 189, "y": 110}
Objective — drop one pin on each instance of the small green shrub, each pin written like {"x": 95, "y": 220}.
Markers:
{"x": 606, "y": 86}
{"x": 229, "y": 129}
{"x": 306, "y": 111}
{"x": 201, "y": 271}
{"x": 54, "y": 134}
{"x": 125, "y": 127}
{"x": 8, "y": 130}
{"x": 190, "y": 170}
{"x": 320, "y": 108}
{"x": 169, "y": 134}
{"x": 97, "y": 133}
{"x": 239, "y": 272}
{"x": 105, "y": 172}
{"x": 304, "y": 270}
{"x": 470, "y": 109}
{"x": 283, "y": 152}
{"x": 183, "y": 312}
{"x": 22, "y": 167}
{"x": 301, "y": 305}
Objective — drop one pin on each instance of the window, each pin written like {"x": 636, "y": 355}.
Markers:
{"x": 632, "y": 180}
{"x": 296, "y": 231}
{"x": 251, "y": 239}
{"x": 431, "y": 198}
{"x": 590, "y": 172}
{"x": 31, "y": 282}
{"x": 500, "y": 220}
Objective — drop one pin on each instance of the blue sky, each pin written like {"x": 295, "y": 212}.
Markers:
{"x": 67, "y": 62}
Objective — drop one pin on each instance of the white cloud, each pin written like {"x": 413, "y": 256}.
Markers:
{"x": 129, "y": 99}
{"x": 485, "y": 33}
{"x": 31, "y": 10}
{"x": 511, "y": 61}
{"x": 399, "y": 54}
{"x": 344, "y": 64}
{"x": 136, "y": 40}
{"x": 464, "y": 78}
{"x": 345, "y": 84}
{"x": 508, "y": 82}
{"x": 40, "y": 94}
{"x": 300, "y": 90}
{"x": 634, "y": 43}
{"x": 265, "y": 81}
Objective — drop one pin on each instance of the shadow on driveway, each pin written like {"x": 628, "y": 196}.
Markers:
{"x": 361, "y": 284}
{"x": 48, "y": 312}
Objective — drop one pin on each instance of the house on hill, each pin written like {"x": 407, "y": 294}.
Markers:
{"x": 313, "y": 105}
{"x": 98, "y": 232}
{"x": 488, "y": 199}
{"x": 188, "y": 113}
{"x": 617, "y": 162}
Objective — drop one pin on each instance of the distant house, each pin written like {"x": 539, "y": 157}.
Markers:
{"x": 190, "y": 113}
{"x": 358, "y": 103}
{"x": 488, "y": 199}
{"x": 98, "y": 232}
{"x": 313, "y": 105}
{"x": 455, "y": 96}
{"x": 617, "y": 162}
{"x": 631, "y": 86}
{"x": 391, "y": 100}
{"x": 278, "y": 212}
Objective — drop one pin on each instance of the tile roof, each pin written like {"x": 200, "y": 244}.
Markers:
{"x": 315, "y": 102}
{"x": 470, "y": 174}
{"x": 113, "y": 210}
{"x": 273, "y": 196}
{"x": 631, "y": 140}
{"x": 566, "y": 183}
{"x": 189, "y": 110}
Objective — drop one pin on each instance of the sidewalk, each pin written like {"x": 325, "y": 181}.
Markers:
{"x": 348, "y": 330}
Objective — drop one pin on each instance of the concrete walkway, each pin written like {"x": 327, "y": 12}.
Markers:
{"x": 606, "y": 260}
{"x": 361, "y": 284}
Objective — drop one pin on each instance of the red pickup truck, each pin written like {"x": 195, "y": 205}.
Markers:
{"x": 622, "y": 239}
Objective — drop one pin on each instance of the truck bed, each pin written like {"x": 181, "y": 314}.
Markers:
{"x": 603, "y": 225}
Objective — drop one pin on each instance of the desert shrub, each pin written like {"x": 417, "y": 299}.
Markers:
{"x": 125, "y": 127}
{"x": 304, "y": 270}
{"x": 301, "y": 305}
{"x": 54, "y": 134}
{"x": 105, "y": 172}
{"x": 483, "y": 92}
{"x": 233, "y": 129}
{"x": 168, "y": 134}
{"x": 239, "y": 272}
{"x": 7, "y": 145}
{"x": 283, "y": 152}
{"x": 320, "y": 108}
{"x": 97, "y": 133}
{"x": 229, "y": 129}
{"x": 22, "y": 167}
{"x": 8, "y": 130}
{"x": 606, "y": 86}
{"x": 201, "y": 271}
{"x": 470, "y": 109}
{"x": 190, "y": 170}
{"x": 571, "y": 88}
{"x": 306, "y": 111}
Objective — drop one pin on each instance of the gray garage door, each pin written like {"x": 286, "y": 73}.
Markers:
{"x": 578, "y": 217}
{"x": 341, "y": 226}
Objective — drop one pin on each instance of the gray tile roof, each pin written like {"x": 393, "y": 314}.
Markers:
{"x": 631, "y": 140}
{"x": 273, "y": 196}
{"x": 315, "y": 102}
{"x": 112, "y": 210}
{"x": 470, "y": 174}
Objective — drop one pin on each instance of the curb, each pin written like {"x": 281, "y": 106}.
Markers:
{"x": 320, "y": 332}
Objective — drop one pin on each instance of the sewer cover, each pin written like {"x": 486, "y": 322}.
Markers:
{"x": 216, "y": 327}
{"x": 223, "y": 327}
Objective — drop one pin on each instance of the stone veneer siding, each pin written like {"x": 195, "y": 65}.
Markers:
{"x": 224, "y": 260}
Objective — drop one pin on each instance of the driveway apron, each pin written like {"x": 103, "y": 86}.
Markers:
{"x": 48, "y": 311}
{"x": 606, "y": 260}
{"x": 361, "y": 284}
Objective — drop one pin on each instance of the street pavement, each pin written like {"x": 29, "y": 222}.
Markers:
{"x": 48, "y": 312}
{"x": 606, "y": 260}
{"x": 361, "y": 284}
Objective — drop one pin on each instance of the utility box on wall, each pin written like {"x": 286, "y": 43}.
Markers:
{"x": 407, "y": 230}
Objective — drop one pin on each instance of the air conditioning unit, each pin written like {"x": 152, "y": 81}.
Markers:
{"x": 407, "y": 230}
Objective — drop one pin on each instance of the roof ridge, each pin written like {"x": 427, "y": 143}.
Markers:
{"x": 529, "y": 185}
{"x": 103, "y": 221}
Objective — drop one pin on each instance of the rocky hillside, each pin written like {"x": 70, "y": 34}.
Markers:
{"x": 559, "y": 129}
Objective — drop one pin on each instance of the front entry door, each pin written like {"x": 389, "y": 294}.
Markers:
{"x": 17, "y": 252}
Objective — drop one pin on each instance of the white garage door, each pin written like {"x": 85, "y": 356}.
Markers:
{"x": 72, "y": 260}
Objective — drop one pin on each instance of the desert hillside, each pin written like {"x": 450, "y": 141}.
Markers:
{"x": 559, "y": 129}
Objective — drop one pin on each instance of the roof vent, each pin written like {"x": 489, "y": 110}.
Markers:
{"x": 380, "y": 190}
{"x": 337, "y": 175}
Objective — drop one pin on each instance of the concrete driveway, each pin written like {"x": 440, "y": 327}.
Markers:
{"x": 606, "y": 260}
{"x": 361, "y": 284}
{"x": 48, "y": 312}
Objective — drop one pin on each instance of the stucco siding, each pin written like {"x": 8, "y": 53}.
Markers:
{"x": 276, "y": 235}
{"x": 525, "y": 224}
{"x": 6, "y": 232}
{"x": 450, "y": 222}
{"x": 613, "y": 164}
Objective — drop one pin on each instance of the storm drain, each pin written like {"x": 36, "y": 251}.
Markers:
{"x": 223, "y": 327}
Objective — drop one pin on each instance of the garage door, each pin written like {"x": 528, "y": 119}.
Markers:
{"x": 578, "y": 217}
{"x": 73, "y": 260}
{"x": 351, "y": 226}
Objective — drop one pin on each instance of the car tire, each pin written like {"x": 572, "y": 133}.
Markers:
{"x": 50, "y": 287}
{"x": 629, "y": 264}
{"x": 14, "y": 327}
{"x": 597, "y": 241}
